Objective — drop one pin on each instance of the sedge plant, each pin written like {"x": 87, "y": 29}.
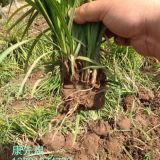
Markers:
{"x": 78, "y": 47}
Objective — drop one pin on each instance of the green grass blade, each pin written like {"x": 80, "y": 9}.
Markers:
{"x": 38, "y": 38}
{"x": 30, "y": 21}
{"x": 30, "y": 11}
{"x": 87, "y": 60}
{"x": 32, "y": 3}
{"x": 32, "y": 47}
{"x": 29, "y": 72}
{"x": 4, "y": 54}
{"x": 43, "y": 11}
{"x": 16, "y": 12}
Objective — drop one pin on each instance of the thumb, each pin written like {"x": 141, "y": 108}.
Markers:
{"x": 90, "y": 12}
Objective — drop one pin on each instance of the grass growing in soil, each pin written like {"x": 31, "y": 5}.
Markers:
{"x": 83, "y": 78}
{"x": 127, "y": 127}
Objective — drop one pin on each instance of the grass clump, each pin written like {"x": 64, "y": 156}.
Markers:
{"x": 78, "y": 50}
{"x": 32, "y": 124}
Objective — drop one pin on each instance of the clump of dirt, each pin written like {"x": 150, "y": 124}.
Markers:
{"x": 90, "y": 145}
{"x": 141, "y": 120}
{"x": 145, "y": 94}
{"x": 6, "y": 153}
{"x": 130, "y": 103}
{"x": 82, "y": 98}
{"x": 155, "y": 103}
{"x": 123, "y": 123}
{"x": 53, "y": 142}
{"x": 83, "y": 90}
{"x": 113, "y": 147}
{"x": 101, "y": 128}
{"x": 69, "y": 142}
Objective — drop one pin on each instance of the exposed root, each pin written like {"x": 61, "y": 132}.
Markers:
{"x": 91, "y": 98}
{"x": 57, "y": 126}
{"x": 86, "y": 88}
{"x": 94, "y": 77}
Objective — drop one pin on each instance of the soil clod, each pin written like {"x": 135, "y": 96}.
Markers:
{"x": 53, "y": 141}
{"x": 124, "y": 123}
{"x": 114, "y": 146}
{"x": 130, "y": 103}
{"x": 101, "y": 128}
{"x": 145, "y": 94}
{"x": 83, "y": 99}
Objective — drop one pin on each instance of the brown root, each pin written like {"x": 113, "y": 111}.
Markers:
{"x": 86, "y": 91}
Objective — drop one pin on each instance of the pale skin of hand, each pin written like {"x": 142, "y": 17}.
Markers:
{"x": 131, "y": 22}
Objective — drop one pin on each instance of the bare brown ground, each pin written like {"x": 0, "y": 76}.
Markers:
{"x": 17, "y": 105}
{"x": 114, "y": 140}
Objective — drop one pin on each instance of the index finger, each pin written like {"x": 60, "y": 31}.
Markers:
{"x": 90, "y": 12}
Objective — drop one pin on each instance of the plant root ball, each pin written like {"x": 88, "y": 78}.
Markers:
{"x": 82, "y": 98}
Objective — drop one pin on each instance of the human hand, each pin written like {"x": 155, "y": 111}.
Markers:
{"x": 135, "y": 23}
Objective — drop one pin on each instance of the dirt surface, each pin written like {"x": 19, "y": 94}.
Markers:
{"x": 137, "y": 137}
{"x": 126, "y": 137}
{"x": 17, "y": 105}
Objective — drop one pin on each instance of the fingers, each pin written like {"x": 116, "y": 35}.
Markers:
{"x": 90, "y": 12}
{"x": 95, "y": 11}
